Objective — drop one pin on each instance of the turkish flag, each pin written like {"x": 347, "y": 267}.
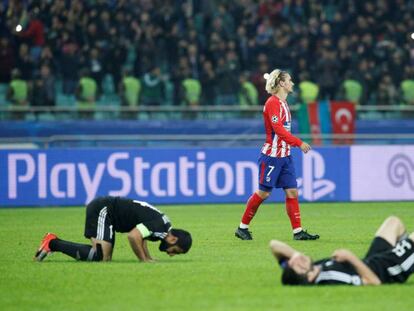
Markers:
{"x": 343, "y": 121}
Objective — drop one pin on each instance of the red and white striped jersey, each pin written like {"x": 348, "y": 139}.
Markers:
{"x": 277, "y": 122}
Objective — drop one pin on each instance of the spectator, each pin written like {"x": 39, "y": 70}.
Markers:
{"x": 257, "y": 76}
{"x": 351, "y": 89}
{"x": 387, "y": 91}
{"x": 243, "y": 49}
{"x": 47, "y": 58}
{"x": 34, "y": 33}
{"x": 248, "y": 95}
{"x": 192, "y": 92}
{"x": 116, "y": 56}
{"x": 87, "y": 93}
{"x": 366, "y": 76}
{"x": 179, "y": 73}
{"x": 216, "y": 46}
{"x": 327, "y": 68}
{"x": 153, "y": 89}
{"x": 227, "y": 80}
{"x": 172, "y": 37}
{"x": 7, "y": 60}
{"x": 281, "y": 52}
{"x": 194, "y": 60}
{"x": 344, "y": 55}
{"x": 69, "y": 65}
{"x": 18, "y": 94}
{"x": 25, "y": 62}
{"x": 96, "y": 67}
{"x": 129, "y": 91}
{"x": 43, "y": 93}
{"x": 264, "y": 32}
{"x": 407, "y": 86}
{"x": 223, "y": 18}
{"x": 209, "y": 84}
{"x": 396, "y": 66}
{"x": 308, "y": 90}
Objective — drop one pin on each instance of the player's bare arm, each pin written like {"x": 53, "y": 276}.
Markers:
{"x": 368, "y": 277}
{"x": 281, "y": 250}
{"x": 137, "y": 244}
{"x": 147, "y": 253}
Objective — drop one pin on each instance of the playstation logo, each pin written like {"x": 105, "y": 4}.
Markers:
{"x": 312, "y": 186}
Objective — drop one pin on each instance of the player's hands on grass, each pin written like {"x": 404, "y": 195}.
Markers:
{"x": 149, "y": 260}
{"x": 342, "y": 255}
{"x": 305, "y": 147}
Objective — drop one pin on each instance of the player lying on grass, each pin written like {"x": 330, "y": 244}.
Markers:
{"x": 390, "y": 259}
{"x": 107, "y": 215}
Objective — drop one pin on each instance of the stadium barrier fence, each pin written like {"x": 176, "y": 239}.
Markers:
{"x": 108, "y": 111}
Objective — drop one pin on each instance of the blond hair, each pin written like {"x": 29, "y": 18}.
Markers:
{"x": 273, "y": 79}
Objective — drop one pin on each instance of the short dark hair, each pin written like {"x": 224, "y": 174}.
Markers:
{"x": 184, "y": 239}
{"x": 290, "y": 277}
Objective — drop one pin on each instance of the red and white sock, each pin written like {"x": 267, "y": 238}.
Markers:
{"x": 251, "y": 208}
{"x": 293, "y": 211}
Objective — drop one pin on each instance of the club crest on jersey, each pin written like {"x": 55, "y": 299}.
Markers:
{"x": 275, "y": 119}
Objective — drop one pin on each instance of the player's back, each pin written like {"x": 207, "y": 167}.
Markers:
{"x": 334, "y": 272}
{"x": 128, "y": 213}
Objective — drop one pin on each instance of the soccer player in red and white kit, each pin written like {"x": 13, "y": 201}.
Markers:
{"x": 276, "y": 169}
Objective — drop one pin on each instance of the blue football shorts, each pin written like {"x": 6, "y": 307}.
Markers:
{"x": 276, "y": 173}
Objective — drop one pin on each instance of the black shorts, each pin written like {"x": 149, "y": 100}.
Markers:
{"x": 391, "y": 263}
{"x": 98, "y": 222}
{"x": 378, "y": 245}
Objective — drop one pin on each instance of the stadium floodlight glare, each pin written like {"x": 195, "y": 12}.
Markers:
{"x": 19, "y": 28}
{"x": 412, "y": 35}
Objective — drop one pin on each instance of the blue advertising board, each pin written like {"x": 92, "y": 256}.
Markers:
{"x": 161, "y": 176}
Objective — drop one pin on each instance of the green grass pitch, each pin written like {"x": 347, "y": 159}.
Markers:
{"x": 219, "y": 273}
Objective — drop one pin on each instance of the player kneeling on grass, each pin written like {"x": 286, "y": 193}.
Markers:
{"x": 107, "y": 215}
{"x": 390, "y": 259}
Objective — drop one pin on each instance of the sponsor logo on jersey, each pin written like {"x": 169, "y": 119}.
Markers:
{"x": 287, "y": 126}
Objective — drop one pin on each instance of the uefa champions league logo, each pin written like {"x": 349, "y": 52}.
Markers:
{"x": 401, "y": 171}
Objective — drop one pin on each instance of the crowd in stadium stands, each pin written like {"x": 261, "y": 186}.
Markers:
{"x": 183, "y": 52}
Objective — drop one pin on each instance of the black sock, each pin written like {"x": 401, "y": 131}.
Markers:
{"x": 78, "y": 251}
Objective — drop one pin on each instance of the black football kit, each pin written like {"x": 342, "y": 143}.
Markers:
{"x": 392, "y": 264}
{"x": 107, "y": 215}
